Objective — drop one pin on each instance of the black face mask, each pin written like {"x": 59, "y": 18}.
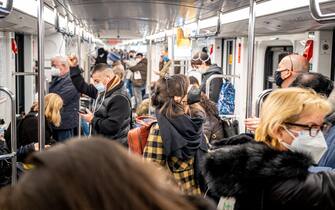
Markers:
{"x": 193, "y": 95}
{"x": 279, "y": 81}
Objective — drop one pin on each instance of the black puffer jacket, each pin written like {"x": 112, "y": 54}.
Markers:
{"x": 113, "y": 118}
{"x": 260, "y": 178}
{"x": 64, "y": 88}
{"x": 215, "y": 87}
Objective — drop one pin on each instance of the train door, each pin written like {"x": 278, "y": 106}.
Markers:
{"x": 229, "y": 56}
{"x": 19, "y": 67}
{"x": 273, "y": 56}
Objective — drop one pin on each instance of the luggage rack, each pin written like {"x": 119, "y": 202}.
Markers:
{"x": 11, "y": 155}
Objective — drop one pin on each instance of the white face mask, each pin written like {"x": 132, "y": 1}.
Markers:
{"x": 315, "y": 146}
{"x": 202, "y": 70}
{"x": 55, "y": 72}
{"x": 100, "y": 87}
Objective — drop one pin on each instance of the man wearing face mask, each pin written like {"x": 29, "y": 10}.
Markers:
{"x": 289, "y": 68}
{"x": 202, "y": 62}
{"x": 111, "y": 116}
{"x": 61, "y": 84}
{"x": 139, "y": 79}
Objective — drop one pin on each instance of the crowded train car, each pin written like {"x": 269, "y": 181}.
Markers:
{"x": 181, "y": 104}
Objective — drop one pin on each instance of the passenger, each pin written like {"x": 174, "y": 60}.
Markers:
{"x": 274, "y": 173}
{"x": 129, "y": 74}
{"x": 143, "y": 108}
{"x": 111, "y": 116}
{"x": 323, "y": 86}
{"x": 139, "y": 77}
{"x": 101, "y": 57}
{"x": 95, "y": 175}
{"x": 177, "y": 140}
{"x": 213, "y": 128}
{"x": 27, "y": 135}
{"x": 288, "y": 69}
{"x": 164, "y": 64}
{"x": 62, "y": 85}
{"x": 203, "y": 63}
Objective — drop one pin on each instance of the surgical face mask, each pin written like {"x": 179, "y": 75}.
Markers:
{"x": 100, "y": 87}
{"x": 279, "y": 81}
{"x": 315, "y": 146}
{"x": 165, "y": 59}
{"x": 55, "y": 72}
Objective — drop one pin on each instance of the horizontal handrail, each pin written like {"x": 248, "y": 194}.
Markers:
{"x": 223, "y": 76}
{"x": 7, "y": 156}
{"x": 314, "y": 6}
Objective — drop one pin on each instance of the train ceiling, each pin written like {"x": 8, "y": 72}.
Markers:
{"x": 128, "y": 19}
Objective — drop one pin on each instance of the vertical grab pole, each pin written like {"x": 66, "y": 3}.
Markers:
{"x": 13, "y": 132}
{"x": 79, "y": 59}
{"x": 41, "y": 80}
{"x": 251, "y": 51}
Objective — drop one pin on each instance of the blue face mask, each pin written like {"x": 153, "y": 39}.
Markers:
{"x": 100, "y": 87}
{"x": 165, "y": 59}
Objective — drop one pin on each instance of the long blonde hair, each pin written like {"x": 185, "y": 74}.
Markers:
{"x": 53, "y": 105}
{"x": 287, "y": 105}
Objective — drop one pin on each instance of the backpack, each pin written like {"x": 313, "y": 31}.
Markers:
{"x": 226, "y": 102}
{"x": 137, "y": 137}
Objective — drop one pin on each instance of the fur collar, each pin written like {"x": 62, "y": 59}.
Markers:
{"x": 236, "y": 170}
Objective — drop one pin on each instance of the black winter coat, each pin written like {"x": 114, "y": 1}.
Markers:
{"x": 80, "y": 84}
{"x": 113, "y": 118}
{"x": 64, "y": 88}
{"x": 215, "y": 87}
{"x": 27, "y": 135}
{"x": 261, "y": 178}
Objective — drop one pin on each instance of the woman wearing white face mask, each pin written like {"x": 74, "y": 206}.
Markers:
{"x": 202, "y": 62}
{"x": 273, "y": 172}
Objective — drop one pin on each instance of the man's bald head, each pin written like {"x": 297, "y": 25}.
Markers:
{"x": 290, "y": 67}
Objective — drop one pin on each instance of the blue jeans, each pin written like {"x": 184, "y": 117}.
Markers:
{"x": 62, "y": 135}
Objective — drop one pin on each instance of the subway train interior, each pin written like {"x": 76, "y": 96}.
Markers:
{"x": 246, "y": 39}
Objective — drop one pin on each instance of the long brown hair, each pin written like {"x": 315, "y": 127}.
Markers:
{"x": 164, "y": 92}
{"x": 88, "y": 175}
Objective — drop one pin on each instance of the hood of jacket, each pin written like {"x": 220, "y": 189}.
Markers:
{"x": 242, "y": 169}
{"x": 213, "y": 69}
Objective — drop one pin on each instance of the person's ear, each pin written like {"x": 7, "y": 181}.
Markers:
{"x": 278, "y": 133}
{"x": 286, "y": 74}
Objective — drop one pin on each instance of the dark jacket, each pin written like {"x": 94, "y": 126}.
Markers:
{"x": 80, "y": 84}
{"x": 261, "y": 178}
{"x": 113, "y": 118}
{"x": 328, "y": 159}
{"x": 142, "y": 68}
{"x": 27, "y": 135}
{"x": 215, "y": 86}
{"x": 64, "y": 88}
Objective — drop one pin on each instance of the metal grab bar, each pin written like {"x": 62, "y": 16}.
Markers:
{"x": 314, "y": 6}
{"x": 260, "y": 100}
{"x": 223, "y": 76}
{"x": 12, "y": 155}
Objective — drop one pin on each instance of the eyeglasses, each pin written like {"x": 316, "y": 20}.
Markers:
{"x": 313, "y": 129}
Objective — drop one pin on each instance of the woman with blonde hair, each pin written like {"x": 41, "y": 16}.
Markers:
{"x": 27, "y": 128}
{"x": 274, "y": 172}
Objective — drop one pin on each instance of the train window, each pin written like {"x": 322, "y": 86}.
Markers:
{"x": 273, "y": 56}
{"x": 229, "y": 56}
{"x": 5, "y": 7}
